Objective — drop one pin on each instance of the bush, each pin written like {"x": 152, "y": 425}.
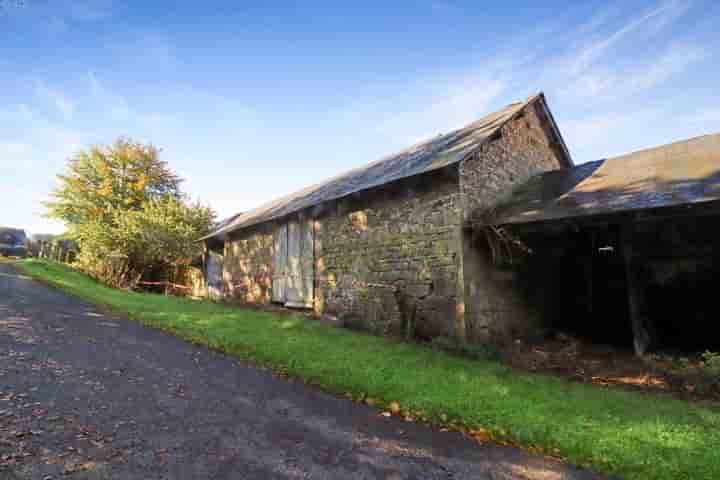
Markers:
{"x": 149, "y": 244}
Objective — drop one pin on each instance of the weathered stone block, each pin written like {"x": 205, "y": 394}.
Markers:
{"x": 436, "y": 317}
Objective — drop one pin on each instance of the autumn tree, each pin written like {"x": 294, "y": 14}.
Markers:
{"x": 125, "y": 208}
{"x": 103, "y": 179}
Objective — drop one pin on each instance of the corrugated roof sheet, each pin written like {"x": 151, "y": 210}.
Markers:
{"x": 685, "y": 172}
{"x": 424, "y": 157}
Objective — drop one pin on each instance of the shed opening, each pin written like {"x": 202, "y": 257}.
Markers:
{"x": 648, "y": 286}
{"x": 589, "y": 297}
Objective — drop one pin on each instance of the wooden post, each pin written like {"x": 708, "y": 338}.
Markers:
{"x": 588, "y": 268}
{"x": 643, "y": 333}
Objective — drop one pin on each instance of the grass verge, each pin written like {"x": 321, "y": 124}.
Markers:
{"x": 623, "y": 433}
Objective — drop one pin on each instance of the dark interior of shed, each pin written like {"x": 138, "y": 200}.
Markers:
{"x": 684, "y": 308}
{"x": 579, "y": 280}
{"x": 579, "y": 285}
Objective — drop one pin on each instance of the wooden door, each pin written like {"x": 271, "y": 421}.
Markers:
{"x": 300, "y": 264}
{"x": 214, "y": 273}
{"x": 280, "y": 252}
{"x": 307, "y": 262}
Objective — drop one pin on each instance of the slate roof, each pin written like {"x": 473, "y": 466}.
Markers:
{"x": 686, "y": 172}
{"x": 439, "y": 152}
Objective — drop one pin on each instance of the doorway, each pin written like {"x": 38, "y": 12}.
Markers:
{"x": 294, "y": 264}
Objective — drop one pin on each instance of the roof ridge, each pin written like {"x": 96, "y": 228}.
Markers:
{"x": 662, "y": 146}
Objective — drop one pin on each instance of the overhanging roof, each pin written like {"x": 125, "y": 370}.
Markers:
{"x": 686, "y": 172}
{"x": 434, "y": 154}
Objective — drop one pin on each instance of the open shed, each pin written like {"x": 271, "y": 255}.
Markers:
{"x": 624, "y": 250}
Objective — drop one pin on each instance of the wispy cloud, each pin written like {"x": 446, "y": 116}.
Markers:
{"x": 607, "y": 82}
{"x": 56, "y": 99}
{"x": 451, "y": 107}
{"x": 106, "y": 100}
{"x": 596, "y": 130}
{"x": 675, "y": 60}
{"x": 650, "y": 21}
{"x": 590, "y": 63}
{"x": 705, "y": 120}
{"x": 603, "y": 70}
{"x": 615, "y": 132}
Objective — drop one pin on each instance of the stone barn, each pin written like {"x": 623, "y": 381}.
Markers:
{"x": 389, "y": 247}
{"x": 622, "y": 250}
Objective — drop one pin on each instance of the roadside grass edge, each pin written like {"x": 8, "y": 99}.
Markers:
{"x": 623, "y": 433}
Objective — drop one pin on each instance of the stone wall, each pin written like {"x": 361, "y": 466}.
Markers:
{"x": 385, "y": 261}
{"x": 195, "y": 279}
{"x": 388, "y": 261}
{"x": 400, "y": 259}
{"x": 495, "y": 306}
{"x": 247, "y": 265}
{"x": 523, "y": 148}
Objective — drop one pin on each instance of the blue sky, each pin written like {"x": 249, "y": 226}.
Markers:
{"x": 250, "y": 101}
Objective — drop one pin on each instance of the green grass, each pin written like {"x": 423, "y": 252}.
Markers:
{"x": 636, "y": 436}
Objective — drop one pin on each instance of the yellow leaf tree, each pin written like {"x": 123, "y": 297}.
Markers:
{"x": 124, "y": 207}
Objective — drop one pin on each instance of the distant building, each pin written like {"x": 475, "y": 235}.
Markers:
{"x": 13, "y": 242}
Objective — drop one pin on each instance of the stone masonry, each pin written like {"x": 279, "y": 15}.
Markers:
{"x": 247, "y": 265}
{"x": 494, "y": 303}
{"x": 402, "y": 258}
{"x": 389, "y": 260}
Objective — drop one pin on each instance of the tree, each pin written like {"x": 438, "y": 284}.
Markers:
{"x": 42, "y": 237}
{"x": 103, "y": 179}
{"x": 125, "y": 208}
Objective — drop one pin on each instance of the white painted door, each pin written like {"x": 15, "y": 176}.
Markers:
{"x": 280, "y": 251}
{"x": 307, "y": 262}
{"x": 214, "y": 275}
{"x": 300, "y": 264}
